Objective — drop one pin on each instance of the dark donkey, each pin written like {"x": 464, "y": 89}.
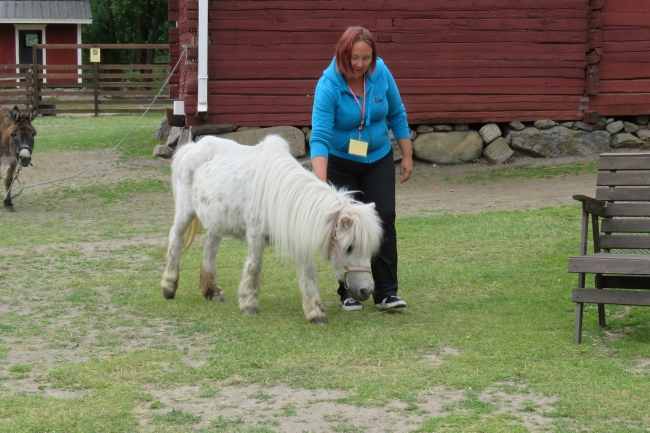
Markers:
{"x": 16, "y": 145}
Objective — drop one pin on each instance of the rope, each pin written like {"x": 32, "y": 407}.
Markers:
{"x": 183, "y": 54}
{"x": 15, "y": 179}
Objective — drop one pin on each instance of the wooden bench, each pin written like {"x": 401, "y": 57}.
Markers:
{"x": 620, "y": 219}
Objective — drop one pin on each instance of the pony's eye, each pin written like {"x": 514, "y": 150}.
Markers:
{"x": 349, "y": 250}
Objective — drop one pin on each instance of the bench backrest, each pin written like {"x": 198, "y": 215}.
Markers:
{"x": 624, "y": 182}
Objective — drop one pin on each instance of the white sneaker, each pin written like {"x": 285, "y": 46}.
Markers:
{"x": 390, "y": 303}
{"x": 351, "y": 305}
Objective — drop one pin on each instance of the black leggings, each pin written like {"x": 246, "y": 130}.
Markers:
{"x": 375, "y": 183}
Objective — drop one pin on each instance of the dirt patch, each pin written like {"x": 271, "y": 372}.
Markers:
{"x": 429, "y": 191}
{"x": 439, "y": 357}
{"x": 641, "y": 367}
{"x": 55, "y": 165}
{"x": 435, "y": 189}
{"x": 292, "y": 410}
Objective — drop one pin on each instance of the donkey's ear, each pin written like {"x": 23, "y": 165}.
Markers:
{"x": 15, "y": 114}
{"x": 32, "y": 114}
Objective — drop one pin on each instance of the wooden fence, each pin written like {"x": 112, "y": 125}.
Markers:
{"x": 16, "y": 85}
{"x": 88, "y": 88}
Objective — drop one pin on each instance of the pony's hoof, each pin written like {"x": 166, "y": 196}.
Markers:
{"x": 322, "y": 320}
{"x": 168, "y": 294}
{"x": 219, "y": 298}
{"x": 251, "y": 310}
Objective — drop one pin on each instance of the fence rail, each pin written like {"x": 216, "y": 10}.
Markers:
{"x": 15, "y": 85}
{"x": 88, "y": 88}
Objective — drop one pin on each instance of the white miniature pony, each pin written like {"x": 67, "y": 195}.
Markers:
{"x": 261, "y": 193}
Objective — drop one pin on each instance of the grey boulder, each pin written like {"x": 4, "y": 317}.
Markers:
{"x": 448, "y": 147}
{"x": 498, "y": 151}
{"x": 251, "y": 137}
{"x": 559, "y": 141}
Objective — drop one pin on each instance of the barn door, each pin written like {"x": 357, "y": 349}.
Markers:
{"x": 26, "y": 40}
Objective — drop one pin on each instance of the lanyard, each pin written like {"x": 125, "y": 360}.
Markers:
{"x": 363, "y": 109}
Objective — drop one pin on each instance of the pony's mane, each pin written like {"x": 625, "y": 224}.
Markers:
{"x": 297, "y": 209}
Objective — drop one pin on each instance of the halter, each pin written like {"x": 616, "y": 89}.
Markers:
{"x": 23, "y": 147}
{"x": 334, "y": 245}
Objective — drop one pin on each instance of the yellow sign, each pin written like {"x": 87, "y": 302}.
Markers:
{"x": 95, "y": 55}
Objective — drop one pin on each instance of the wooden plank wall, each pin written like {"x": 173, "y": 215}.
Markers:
{"x": 624, "y": 65}
{"x": 7, "y": 44}
{"x": 174, "y": 49}
{"x": 62, "y": 34}
{"x": 454, "y": 61}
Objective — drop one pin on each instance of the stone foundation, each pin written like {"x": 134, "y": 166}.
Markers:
{"x": 463, "y": 143}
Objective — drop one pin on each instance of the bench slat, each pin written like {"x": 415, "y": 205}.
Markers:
{"x": 625, "y": 282}
{"x": 626, "y": 178}
{"x": 618, "y": 297}
{"x": 628, "y": 209}
{"x": 638, "y": 161}
{"x": 625, "y": 242}
{"x": 613, "y": 225}
{"x": 608, "y": 263}
{"x": 623, "y": 194}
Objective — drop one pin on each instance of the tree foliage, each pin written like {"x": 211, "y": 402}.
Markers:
{"x": 128, "y": 22}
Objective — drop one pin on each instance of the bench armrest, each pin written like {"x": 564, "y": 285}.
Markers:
{"x": 592, "y": 205}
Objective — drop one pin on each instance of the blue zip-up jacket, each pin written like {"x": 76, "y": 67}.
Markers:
{"x": 336, "y": 116}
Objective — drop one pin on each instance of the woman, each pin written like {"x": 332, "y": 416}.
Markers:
{"x": 355, "y": 102}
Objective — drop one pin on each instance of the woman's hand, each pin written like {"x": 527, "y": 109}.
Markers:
{"x": 319, "y": 167}
{"x": 406, "y": 166}
{"x": 406, "y": 169}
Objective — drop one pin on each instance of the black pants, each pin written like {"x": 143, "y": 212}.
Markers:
{"x": 375, "y": 183}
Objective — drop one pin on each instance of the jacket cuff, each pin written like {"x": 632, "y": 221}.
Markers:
{"x": 319, "y": 150}
{"x": 401, "y": 132}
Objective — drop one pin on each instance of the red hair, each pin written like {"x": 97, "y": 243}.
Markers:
{"x": 344, "y": 49}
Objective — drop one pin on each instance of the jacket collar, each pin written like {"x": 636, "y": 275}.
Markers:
{"x": 336, "y": 77}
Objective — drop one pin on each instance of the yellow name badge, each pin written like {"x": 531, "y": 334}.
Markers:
{"x": 358, "y": 147}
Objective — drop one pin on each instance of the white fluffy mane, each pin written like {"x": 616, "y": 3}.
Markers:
{"x": 298, "y": 210}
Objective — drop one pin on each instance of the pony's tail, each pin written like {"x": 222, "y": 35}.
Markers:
{"x": 190, "y": 233}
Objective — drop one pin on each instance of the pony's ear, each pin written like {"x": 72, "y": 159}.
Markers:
{"x": 32, "y": 114}
{"x": 15, "y": 114}
{"x": 345, "y": 221}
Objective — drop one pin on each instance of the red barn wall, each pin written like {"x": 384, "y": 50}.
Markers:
{"x": 454, "y": 61}
{"x": 624, "y": 87}
{"x": 61, "y": 34}
{"x": 7, "y": 44}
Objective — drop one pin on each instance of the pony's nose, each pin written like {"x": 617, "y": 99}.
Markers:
{"x": 365, "y": 293}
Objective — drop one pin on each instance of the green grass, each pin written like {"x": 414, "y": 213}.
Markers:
{"x": 20, "y": 368}
{"x": 97, "y": 133}
{"x": 493, "y": 286}
{"x": 474, "y": 423}
{"x": 115, "y": 191}
{"x": 501, "y": 298}
{"x": 500, "y": 173}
